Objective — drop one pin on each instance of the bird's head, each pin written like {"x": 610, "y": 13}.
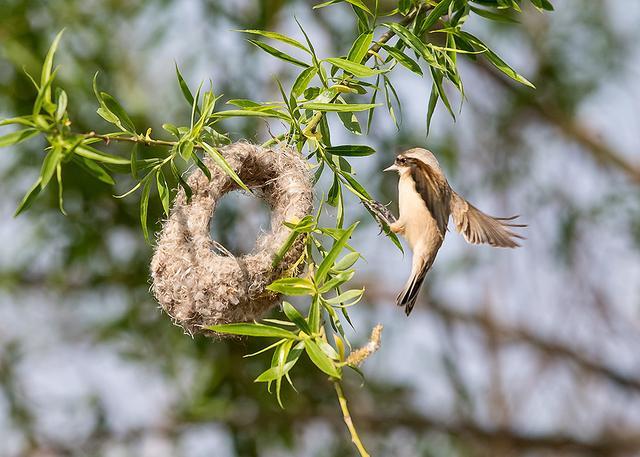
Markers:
{"x": 405, "y": 160}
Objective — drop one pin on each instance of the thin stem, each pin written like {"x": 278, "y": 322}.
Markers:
{"x": 347, "y": 419}
{"x": 132, "y": 139}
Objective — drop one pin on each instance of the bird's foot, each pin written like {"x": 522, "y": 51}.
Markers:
{"x": 380, "y": 213}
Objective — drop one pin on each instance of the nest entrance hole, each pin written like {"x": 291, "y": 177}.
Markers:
{"x": 240, "y": 219}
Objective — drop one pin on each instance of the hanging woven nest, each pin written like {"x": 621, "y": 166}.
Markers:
{"x": 196, "y": 280}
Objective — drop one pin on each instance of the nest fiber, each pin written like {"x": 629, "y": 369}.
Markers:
{"x": 198, "y": 282}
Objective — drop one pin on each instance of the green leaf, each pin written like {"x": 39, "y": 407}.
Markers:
{"x": 279, "y": 37}
{"x": 277, "y": 53}
{"x": 253, "y": 329}
{"x": 345, "y": 107}
{"x": 276, "y": 372}
{"x": 184, "y": 88}
{"x": 433, "y": 101}
{"x": 332, "y": 255}
{"x": 403, "y": 59}
{"x": 94, "y": 169}
{"x": 356, "y": 69}
{"x": 99, "y": 156}
{"x": 222, "y": 163}
{"x": 435, "y": 14}
{"x": 172, "y": 129}
{"x": 292, "y": 286}
{"x": 163, "y": 191}
{"x": 42, "y": 94}
{"x": 49, "y": 165}
{"x": 17, "y": 137}
{"x": 320, "y": 359}
{"x": 493, "y": 16}
{"x": 29, "y": 198}
{"x": 360, "y": 47}
{"x": 414, "y": 42}
{"x": 61, "y": 105}
{"x": 302, "y": 81}
{"x": 202, "y": 166}
{"x": 46, "y": 75}
{"x": 437, "y": 82}
{"x": 295, "y": 317}
{"x": 347, "y": 261}
{"x": 351, "y": 150}
{"x": 360, "y": 4}
{"x": 336, "y": 281}
{"x": 348, "y": 296}
{"x": 252, "y": 113}
{"x": 144, "y": 208}
{"x": 114, "y": 107}
{"x": 495, "y": 59}
{"x": 60, "y": 190}
{"x": 350, "y": 122}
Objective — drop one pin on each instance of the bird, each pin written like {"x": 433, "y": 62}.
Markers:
{"x": 426, "y": 201}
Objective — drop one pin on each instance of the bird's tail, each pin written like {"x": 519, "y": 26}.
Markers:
{"x": 409, "y": 294}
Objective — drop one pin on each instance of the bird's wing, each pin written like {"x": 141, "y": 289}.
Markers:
{"x": 477, "y": 227}
{"x": 435, "y": 192}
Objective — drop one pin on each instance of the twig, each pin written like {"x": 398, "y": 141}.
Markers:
{"x": 347, "y": 419}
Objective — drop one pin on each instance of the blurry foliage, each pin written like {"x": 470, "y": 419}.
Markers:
{"x": 222, "y": 388}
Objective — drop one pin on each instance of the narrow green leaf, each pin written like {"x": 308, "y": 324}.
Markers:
{"x": 302, "y": 81}
{"x": 94, "y": 169}
{"x": 17, "y": 137}
{"x": 29, "y": 198}
{"x": 292, "y": 286}
{"x": 360, "y": 47}
{"x": 62, "y": 102}
{"x": 433, "y": 101}
{"x": 414, "y": 42}
{"x": 403, "y": 59}
{"x": 51, "y": 161}
{"x": 348, "y": 296}
{"x": 345, "y": 107}
{"x": 347, "y": 261}
{"x": 351, "y": 150}
{"x": 332, "y": 255}
{"x": 222, "y": 163}
{"x": 202, "y": 166}
{"x": 184, "y": 88}
{"x": 253, "y": 329}
{"x": 295, "y": 317}
{"x": 495, "y": 59}
{"x": 493, "y": 16}
{"x": 144, "y": 207}
{"x": 114, "y": 107}
{"x": 46, "y": 75}
{"x": 279, "y": 37}
{"x": 356, "y": 69}
{"x": 99, "y": 156}
{"x": 435, "y": 14}
{"x": 277, "y": 53}
{"x": 320, "y": 359}
{"x": 252, "y": 113}
{"x": 163, "y": 191}
{"x": 60, "y": 190}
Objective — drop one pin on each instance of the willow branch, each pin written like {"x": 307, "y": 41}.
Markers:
{"x": 355, "y": 438}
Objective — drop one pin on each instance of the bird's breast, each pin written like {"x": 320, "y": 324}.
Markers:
{"x": 419, "y": 225}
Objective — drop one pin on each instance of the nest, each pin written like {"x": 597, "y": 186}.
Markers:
{"x": 198, "y": 282}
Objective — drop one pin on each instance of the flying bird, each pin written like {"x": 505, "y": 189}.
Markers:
{"x": 425, "y": 202}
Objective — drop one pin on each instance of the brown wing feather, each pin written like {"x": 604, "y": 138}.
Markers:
{"x": 478, "y": 227}
{"x": 435, "y": 192}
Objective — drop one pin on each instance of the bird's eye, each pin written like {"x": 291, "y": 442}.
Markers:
{"x": 401, "y": 160}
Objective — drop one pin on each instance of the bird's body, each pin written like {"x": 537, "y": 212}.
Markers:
{"x": 425, "y": 202}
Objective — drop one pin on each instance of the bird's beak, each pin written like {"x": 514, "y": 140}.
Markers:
{"x": 391, "y": 168}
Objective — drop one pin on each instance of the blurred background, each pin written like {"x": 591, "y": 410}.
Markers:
{"x": 530, "y": 352}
